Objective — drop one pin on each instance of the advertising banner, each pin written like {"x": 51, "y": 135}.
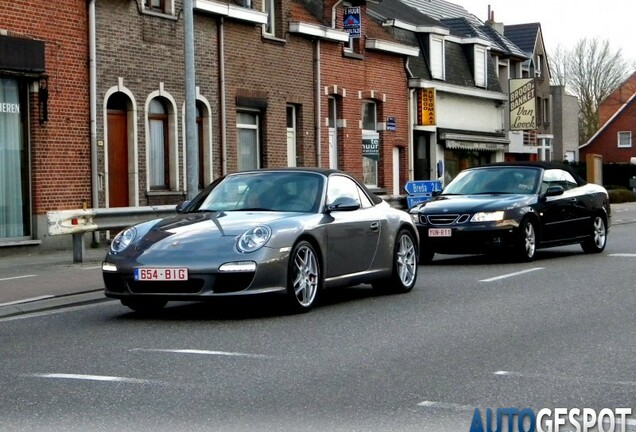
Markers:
{"x": 523, "y": 109}
{"x": 426, "y": 107}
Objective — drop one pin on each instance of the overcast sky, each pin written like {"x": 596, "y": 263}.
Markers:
{"x": 564, "y": 22}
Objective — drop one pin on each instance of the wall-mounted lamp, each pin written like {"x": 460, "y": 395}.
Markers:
{"x": 43, "y": 99}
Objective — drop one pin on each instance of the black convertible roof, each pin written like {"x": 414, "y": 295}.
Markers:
{"x": 543, "y": 165}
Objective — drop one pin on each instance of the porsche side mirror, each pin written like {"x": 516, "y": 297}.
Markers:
{"x": 182, "y": 205}
{"x": 344, "y": 204}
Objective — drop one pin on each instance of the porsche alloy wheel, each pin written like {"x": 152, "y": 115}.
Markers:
{"x": 304, "y": 277}
{"x": 598, "y": 239}
{"x": 404, "y": 265}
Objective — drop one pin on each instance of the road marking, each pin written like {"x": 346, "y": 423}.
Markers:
{"x": 446, "y": 405}
{"x": 202, "y": 352}
{"x": 551, "y": 377}
{"x": 103, "y": 378}
{"x": 17, "y": 277}
{"x": 91, "y": 268}
{"x": 630, "y": 255}
{"x": 512, "y": 274}
{"x": 28, "y": 300}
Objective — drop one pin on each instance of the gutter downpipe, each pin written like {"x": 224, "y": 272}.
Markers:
{"x": 222, "y": 91}
{"x": 333, "y": 13}
{"x": 318, "y": 124}
{"x": 93, "y": 109}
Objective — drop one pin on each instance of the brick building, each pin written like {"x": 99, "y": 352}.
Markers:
{"x": 614, "y": 140}
{"x": 45, "y": 155}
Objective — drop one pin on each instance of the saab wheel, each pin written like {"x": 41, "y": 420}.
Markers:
{"x": 598, "y": 239}
{"x": 527, "y": 244}
{"x": 404, "y": 273}
{"x": 303, "y": 277}
{"x": 144, "y": 305}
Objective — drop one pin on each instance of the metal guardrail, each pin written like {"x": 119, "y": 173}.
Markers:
{"x": 81, "y": 221}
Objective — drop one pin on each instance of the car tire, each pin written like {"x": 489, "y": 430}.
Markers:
{"x": 304, "y": 277}
{"x": 598, "y": 239}
{"x": 144, "y": 305}
{"x": 526, "y": 247}
{"x": 404, "y": 273}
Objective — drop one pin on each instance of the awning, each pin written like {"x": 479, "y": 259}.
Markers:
{"x": 463, "y": 141}
{"x": 474, "y": 145}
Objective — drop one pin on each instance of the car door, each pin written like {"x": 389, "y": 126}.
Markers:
{"x": 352, "y": 235}
{"x": 558, "y": 212}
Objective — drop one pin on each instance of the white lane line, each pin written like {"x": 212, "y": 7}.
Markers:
{"x": 630, "y": 255}
{"x": 28, "y": 300}
{"x": 446, "y": 405}
{"x": 103, "y": 378}
{"x": 17, "y": 277}
{"x": 552, "y": 377}
{"x": 91, "y": 268}
{"x": 512, "y": 274}
{"x": 202, "y": 352}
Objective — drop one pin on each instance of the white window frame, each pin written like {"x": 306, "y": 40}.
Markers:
{"x": 255, "y": 127}
{"x": 537, "y": 66}
{"x": 292, "y": 134}
{"x": 481, "y": 66}
{"x": 374, "y": 130}
{"x": 168, "y": 7}
{"x": 269, "y": 6}
{"x": 437, "y": 57}
{"x": 621, "y": 141}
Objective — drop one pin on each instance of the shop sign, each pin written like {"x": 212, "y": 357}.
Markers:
{"x": 523, "y": 104}
{"x": 426, "y": 107}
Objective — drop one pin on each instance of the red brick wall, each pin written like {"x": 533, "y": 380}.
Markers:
{"x": 377, "y": 71}
{"x": 617, "y": 99}
{"x": 60, "y": 149}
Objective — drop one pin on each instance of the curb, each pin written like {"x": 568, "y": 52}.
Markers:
{"x": 57, "y": 302}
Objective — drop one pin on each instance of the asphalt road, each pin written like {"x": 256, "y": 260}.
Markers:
{"x": 474, "y": 333}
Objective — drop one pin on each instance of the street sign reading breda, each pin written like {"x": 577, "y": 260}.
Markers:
{"x": 420, "y": 191}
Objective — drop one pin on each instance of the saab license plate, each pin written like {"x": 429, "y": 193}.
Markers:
{"x": 160, "y": 274}
{"x": 439, "y": 232}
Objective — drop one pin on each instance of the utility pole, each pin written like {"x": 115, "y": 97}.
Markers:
{"x": 192, "y": 141}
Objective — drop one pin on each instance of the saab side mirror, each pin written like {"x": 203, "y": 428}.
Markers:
{"x": 181, "y": 206}
{"x": 554, "y": 191}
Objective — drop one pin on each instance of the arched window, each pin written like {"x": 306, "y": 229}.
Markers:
{"x": 158, "y": 164}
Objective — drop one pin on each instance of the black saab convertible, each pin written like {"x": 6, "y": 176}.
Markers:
{"x": 513, "y": 208}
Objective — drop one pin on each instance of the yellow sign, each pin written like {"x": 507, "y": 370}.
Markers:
{"x": 522, "y": 104}
{"x": 426, "y": 107}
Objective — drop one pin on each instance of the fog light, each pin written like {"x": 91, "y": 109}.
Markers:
{"x": 109, "y": 267}
{"x": 239, "y": 266}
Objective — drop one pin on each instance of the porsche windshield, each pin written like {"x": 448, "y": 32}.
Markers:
{"x": 499, "y": 180}
{"x": 267, "y": 191}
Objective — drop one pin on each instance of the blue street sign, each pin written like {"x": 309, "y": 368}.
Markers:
{"x": 418, "y": 187}
{"x": 412, "y": 201}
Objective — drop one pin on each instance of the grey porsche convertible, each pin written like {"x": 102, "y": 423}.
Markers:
{"x": 292, "y": 231}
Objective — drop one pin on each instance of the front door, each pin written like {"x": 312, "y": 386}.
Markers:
{"x": 117, "y": 159}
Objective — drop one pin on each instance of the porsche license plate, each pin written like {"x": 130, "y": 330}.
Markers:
{"x": 439, "y": 232}
{"x": 160, "y": 274}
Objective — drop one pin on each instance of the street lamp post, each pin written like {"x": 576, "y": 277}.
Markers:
{"x": 192, "y": 142}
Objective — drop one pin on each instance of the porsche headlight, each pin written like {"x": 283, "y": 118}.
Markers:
{"x": 253, "y": 239}
{"x": 488, "y": 216}
{"x": 123, "y": 240}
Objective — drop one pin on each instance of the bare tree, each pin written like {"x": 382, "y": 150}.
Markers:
{"x": 591, "y": 71}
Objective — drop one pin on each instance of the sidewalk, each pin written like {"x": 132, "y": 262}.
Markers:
{"x": 34, "y": 281}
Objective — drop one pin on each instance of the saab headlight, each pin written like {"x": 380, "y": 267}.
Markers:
{"x": 123, "y": 240}
{"x": 488, "y": 216}
{"x": 253, "y": 239}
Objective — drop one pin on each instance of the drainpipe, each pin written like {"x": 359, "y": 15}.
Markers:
{"x": 222, "y": 91}
{"x": 93, "y": 109}
{"x": 318, "y": 117}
